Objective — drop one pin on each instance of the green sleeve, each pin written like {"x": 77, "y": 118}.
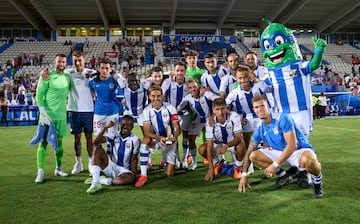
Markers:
{"x": 41, "y": 91}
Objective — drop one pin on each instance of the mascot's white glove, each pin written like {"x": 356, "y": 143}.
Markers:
{"x": 44, "y": 118}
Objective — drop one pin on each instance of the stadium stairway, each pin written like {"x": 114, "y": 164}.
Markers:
{"x": 5, "y": 46}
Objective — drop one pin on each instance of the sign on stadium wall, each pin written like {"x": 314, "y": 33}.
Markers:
{"x": 200, "y": 38}
{"x": 113, "y": 55}
{"x": 30, "y": 54}
{"x": 22, "y": 115}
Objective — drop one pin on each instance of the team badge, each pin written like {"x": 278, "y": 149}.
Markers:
{"x": 293, "y": 73}
{"x": 111, "y": 85}
{"x": 128, "y": 145}
{"x": 276, "y": 131}
{"x": 165, "y": 115}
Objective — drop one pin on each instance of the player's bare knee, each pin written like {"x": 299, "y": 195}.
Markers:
{"x": 202, "y": 150}
{"x": 254, "y": 156}
{"x": 145, "y": 141}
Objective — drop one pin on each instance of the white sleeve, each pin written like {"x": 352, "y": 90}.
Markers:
{"x": 223, "y": 84}
{"x": 209, "y": 132}
{"x": 230, "y": 98}
{"x": 136, "y": 145}
{"x": 236, "y": 119}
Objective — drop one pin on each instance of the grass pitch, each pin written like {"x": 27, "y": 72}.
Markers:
{"x": 184, "y": 198}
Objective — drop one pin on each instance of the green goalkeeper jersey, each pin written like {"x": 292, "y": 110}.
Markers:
{"x": 195, "y": 73}
{"x": 52, "y": 94}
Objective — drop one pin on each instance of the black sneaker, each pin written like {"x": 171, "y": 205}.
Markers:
{"x": 303, "y": 180}
{"x": 318, "y": 191}
{"x": 282, "y": 181}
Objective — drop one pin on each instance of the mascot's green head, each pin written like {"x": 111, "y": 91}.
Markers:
{"x": 278, "y": 45}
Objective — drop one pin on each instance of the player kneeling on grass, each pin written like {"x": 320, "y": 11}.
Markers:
{"x": 287, "y": 145}
{"x": 160, "y": 124}
{"x": 223, "y": 134}
{"x": 119, "y": 163}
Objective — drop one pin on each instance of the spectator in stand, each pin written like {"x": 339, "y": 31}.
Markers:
{"x": 28, "y": 96}
{"x": 92, "y": 62}
{"x": 21, "y": 97}
{"x": 322, "y": 105}
{"x": 315, "y": 101}
{"x": 5, "y": 110}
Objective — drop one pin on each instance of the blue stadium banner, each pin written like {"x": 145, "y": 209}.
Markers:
{"x": 200, "y": 38}
{"x": 22, "y": 115}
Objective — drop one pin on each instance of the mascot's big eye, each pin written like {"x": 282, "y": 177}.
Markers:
{"x": 266, "y": 45}
{"x": 279, "y": 40}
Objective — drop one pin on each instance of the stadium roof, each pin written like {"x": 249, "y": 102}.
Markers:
{"x": 321, "y": 15}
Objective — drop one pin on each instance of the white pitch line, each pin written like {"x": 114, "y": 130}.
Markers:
{"x": 345, "y": 129}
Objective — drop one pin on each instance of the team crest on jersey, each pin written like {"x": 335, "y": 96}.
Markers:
{"x": 229, "y": 127}
{"x": 165, "y": 115}
{"x": 128, "y": 145}
{"x": 202, "y": 101}
{"x": 111, "y": 86}
{"x": 276, "y": 131}
{"x": 293, "y": 73}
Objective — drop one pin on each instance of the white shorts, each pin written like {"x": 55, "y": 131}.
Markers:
{"x": 249, "y": 124}
{"x": 303, "y": 121}
{"x": 113, "y": 170}
{"x": 168, "y": 152}
{"x": 196, "y": 127}
{"x": 293, "y": 160}
{"x": 101, "y": 120}
{"x": 184, "y": 121}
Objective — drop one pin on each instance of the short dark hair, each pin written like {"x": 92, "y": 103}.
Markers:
{"x": 60, "y": 55}
{"x": 154, "y": 87}
{"x": 156, "y": 69}
{"x": 180, "y": 63}
{"x": 191, "y": 53}
{"x": 210, "y": 55}
{"x": 105, "y": 60}
{"x": 77, "y": 54}
{"x": 128, "y": 117}
{"x": 133, "y": 74}
{"x": 243, "y": 68}
{"x": 219, "y": 102}
{"x": 250, "y": 52}
{"x": 258, "y": 97}
{"x": 232, "y": 53}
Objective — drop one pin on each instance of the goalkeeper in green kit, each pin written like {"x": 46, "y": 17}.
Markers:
{"x": 51, "y": 97}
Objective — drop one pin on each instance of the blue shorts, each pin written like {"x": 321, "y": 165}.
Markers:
{"x": 80, "y": 120}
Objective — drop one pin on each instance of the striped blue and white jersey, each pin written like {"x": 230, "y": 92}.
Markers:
{"x": 261, "y": 72}
{"x": 201, "y": 106}
{"x": 161, "y": 118}
{"x": 135, "y": 101}
{"x": 240, "y": 101}
{"x": 123, "y": 148}
{"x": 224, "y": 133}
{"x": 226, "y": 84}
{"x": 292, "y": 86}
{"x": 174, "y": 92}
{"x": 105, "y": 91}
{"x": 213, "y": 80}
